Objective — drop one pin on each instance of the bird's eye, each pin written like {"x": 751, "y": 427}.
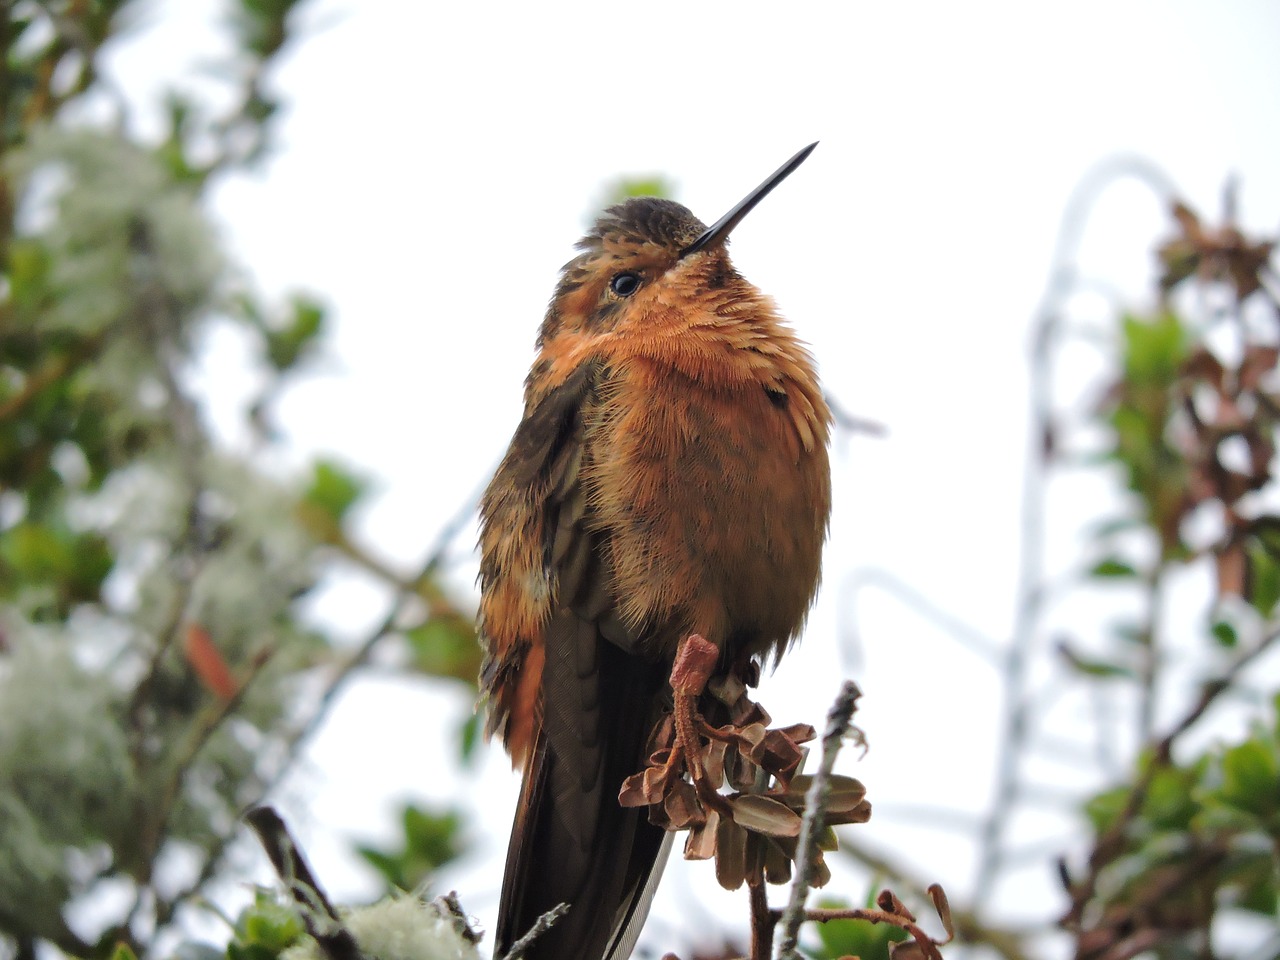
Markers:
{"x": 625, "y": 284}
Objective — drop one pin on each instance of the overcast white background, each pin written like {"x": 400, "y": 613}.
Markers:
{"x": 436, "y": 162}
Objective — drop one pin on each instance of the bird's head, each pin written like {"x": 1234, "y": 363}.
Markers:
{"x": 651, "y": 264}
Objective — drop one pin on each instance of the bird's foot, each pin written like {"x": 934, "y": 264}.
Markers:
{"x": 732, "y": 785}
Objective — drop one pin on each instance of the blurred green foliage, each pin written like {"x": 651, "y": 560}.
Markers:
{"x": 264, "y": 929}
{"x": 1193, "y": 834}
{"x": 151, "y": 635}
{"x": 431, "y": 839}
{"x": 1198, "y": 837}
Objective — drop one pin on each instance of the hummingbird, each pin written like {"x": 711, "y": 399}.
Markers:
{"x": 669, "y": 477}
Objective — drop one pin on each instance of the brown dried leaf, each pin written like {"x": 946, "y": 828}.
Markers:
{"x": 1232, "y": 566}
{"x": 860, "y": 813}
{"x": 753, "y": 734}
{"x": 642, "y": 788}
{"x": 939, "y": 898}
{"x": 777, "y": 864}
{"x": 776, "y": 753}
{"x": 1229, "y": 418}
{"x": 632, "y": 792}
{"x": 713, "y": 762}
{"x": 846, "y": 792}
{"x": 731, "y": 854}
{"x": 701, "y": 842}
{"x": 746, "y": 712}
{"x": 663, "y": 735}
{"x": 727, "y": 688}
{"x": 207, "y": 662}
{"x": 682, "y": 806}
{"x": 732, "y": 763}
{"x": 1259, "y": 360}
{"x": 1180, "y": 260}
{"x": 1203, "y": 365}
{"x": 742, "y": 772}
{"x": 799, "y": 732}
{"x": 888, "y": 901}
{"x": 765, "y": 815}
{"x": 821, "y": 872}
{"x": 1262, "y": 450}
{"x": 1189, "y": 221}
{"x": 1244, "y": 261}
{"x": 907, "y": 950}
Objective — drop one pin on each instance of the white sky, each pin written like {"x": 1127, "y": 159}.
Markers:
{"x": 436, "y": 163}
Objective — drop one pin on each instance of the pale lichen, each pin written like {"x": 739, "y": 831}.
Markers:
{"x": 399, "y": 928}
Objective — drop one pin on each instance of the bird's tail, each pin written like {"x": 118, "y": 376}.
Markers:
{"x": 572, "y": 842}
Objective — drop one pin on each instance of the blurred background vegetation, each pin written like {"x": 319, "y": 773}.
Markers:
{"x": 157, "y": 676}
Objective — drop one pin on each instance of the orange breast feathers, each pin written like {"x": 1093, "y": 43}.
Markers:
{"x": 705, "y": 462}
{"x": 714, "y": 487}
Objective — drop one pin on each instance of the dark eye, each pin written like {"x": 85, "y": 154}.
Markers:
{"x": 625, "y": 284}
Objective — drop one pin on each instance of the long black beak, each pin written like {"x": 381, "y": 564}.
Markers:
{"x": 720, "y": 230}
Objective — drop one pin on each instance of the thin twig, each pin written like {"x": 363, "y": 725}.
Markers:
{"x": 975, "y": 641}
{"x": 1147, "y": 640}
{"x": 1162, "y": 754}
{"x": 540, "y": 926}
{"x": 318, "y": 914}
{"x": 763, "y": 920}
{"x": 204, "y": 724}
{"x": 1046, "y": 329}
{"x": 407, "y": 594}
{"x": 1212, "y": 689}
{"x": 811, "y": 825}
{"x": 854, "y": 424}
{"x": 53, "y": 370}
{"x": 969, "y": 928}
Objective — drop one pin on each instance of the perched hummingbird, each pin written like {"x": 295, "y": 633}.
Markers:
{"x": 669, "y": 477}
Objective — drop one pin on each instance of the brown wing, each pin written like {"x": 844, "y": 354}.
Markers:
{"x": 565, "y": 692}
{"x": 519, "y": 514}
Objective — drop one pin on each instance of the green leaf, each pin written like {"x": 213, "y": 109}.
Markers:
{"x": 264, "y": 929}
{"x": 624, "y": 188}
{"x": 1109, "y": 528}
{"x": 1112, "y": 567}
{"x": 90, "y": 566}
{"x": 1131, "y": 632}
{"x": 1099, "y": 668}
{"x": 469, "y": 737}
{"x": 431, "y": 840}
{"x": 333, "y": 489}
{"x": 1267, "y": 532}
{"x": 37, "y": 552}
{"x": 28, "y": 274}
{"x": 1263, "y": 580}
{"x": 1104, "y": 809}
{"x": 287, "y": 346}
{"x": 446, "y": 646}
{"x": 1250, "y": 778}
{"x": 1155, "y": 348}
{"x": 1224, "y": 633}
{"x": 1169, "y": 804}
{"x": 828, "y": 841}
{"x": 1262, "y": 897}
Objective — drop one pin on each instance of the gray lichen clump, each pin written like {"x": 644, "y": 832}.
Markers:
{"x": 120, "y": 761}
